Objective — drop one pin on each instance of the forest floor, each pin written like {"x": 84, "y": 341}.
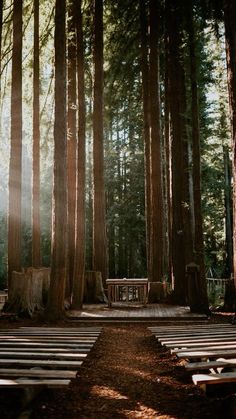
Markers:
{"x": 126, "y": 375}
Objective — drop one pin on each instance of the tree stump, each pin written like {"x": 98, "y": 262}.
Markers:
{"x": 26, "y": 292}
{"x": 93, "y": 288}
{"x": 194, "y": 288}
{"x": 157, "y": 292}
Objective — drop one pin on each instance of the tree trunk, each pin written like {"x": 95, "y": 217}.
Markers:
{"x": 175, "y": 91}
{"x": 146, "y": 116}
{"x": 230, "y": 35}
{"x": 228, "y": 214}
{"x": 198, "y": 221}
{"x": 168, "y": 152}
{"x": 99, "y": 223}
{"x": 1, "y": 13}
{"x": 71, "y": 144}
{"x": 94, "y": 291}
{"x": 79, "y": 264}
{"x": 55, "y": 306}
{"x": 15, "y": 169}
{"x": 36, "y": 254}
{"x": 156, "y": 207}
{"x": 27, "y": 291}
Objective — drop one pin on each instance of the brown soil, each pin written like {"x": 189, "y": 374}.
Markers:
{"x": 126, "y": 375}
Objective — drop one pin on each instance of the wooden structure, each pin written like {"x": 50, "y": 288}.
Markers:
{"x": 43, "y": 357}
{"x": 121, "y": 311}
{"x": 127, "y": 289}
{"x": 210, "y": 348}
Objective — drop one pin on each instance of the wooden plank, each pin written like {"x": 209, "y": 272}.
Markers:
{"x": 49, "y": 363}
{"x": 10, "y": 372}
{"x": 203, "y": 348}
{"x": 49, "y": 338}
{"x": 81, "y": 329}
{"x": 40, "y": 355}
{"x": 207, "y": 365}
{"x": 195, "y": 335}
{"x": 62, "y": 335}
{"x": 207, "y": 354}
{"x": 197, "y": 341}
{"x": 33, "y": 383}
{"x": 46, "y": 350}
{"x": 24, "y": 344}
{"x": 191, "y": 326}
{"x": 227, "y": 377}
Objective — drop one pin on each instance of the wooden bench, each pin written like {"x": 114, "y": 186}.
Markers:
{"x": 204, "y": 380}
{"x": 214, "y": 366}
{"x": 39, "y": 357}
{"x": 214, "y": 345}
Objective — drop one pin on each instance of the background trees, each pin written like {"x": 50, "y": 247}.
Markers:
{"x": 186, "y": 137}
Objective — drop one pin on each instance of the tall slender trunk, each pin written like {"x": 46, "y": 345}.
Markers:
{"x": 175, "y": 91}
{"x": 146, "y": 115}
{"x": 230, "y": 35}
{"x": 36, "y": 253}
{"x": 99, "y": 223}
{"x": 79, "y": 264}
{"x": 156, "y": 208}
{"x": 228, "y": 213}
{"x": 1, "y": 13}
{"x": 168, "y": 151}
{"x": 71, "y": 143}
{"x": 15, "y": 168}
{"x": 198, "y": 220}
{"x": 55, "y": 307}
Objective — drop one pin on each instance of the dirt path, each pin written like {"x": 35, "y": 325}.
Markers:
{"x": 128, "y": 376}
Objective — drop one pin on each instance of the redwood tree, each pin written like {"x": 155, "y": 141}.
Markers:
{"x": 230, "y": 35}
{"x": 79, "y": 262}
{"x": 156, "y": 204}
{"x": 178, "y": 186}
{"x": 36, "y": 258}
{"x": 71, "y": 140}
{"x": 55, "y": 307}
{"x": 146, "y": 117}
{"x": 195, "y": 132}
{"x": 99, "y": 223}
{"x": 15, "y": 169}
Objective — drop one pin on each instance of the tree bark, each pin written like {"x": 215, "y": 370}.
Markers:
{"x": 178, "y": 186}
{"x": 198, "y": 221}
{"x": 55, "y": 306}
{"x": 36, "y": 253}
{"x": 228, "y": 214}
{"x": 15, "y": 169}
{"x": 156, "y": 206}
{"x": 71, "y": 143}
{"x": 79, "y": 263}
{"x": 230, "y": 36}
{"x": 146, "y": 126}
{"x": 99, "y": 224}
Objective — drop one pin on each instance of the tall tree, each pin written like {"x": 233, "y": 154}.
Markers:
{"x": 15, "y": 169}
{"x": 72, "y": 140}
{"x": 197, "y": 199}
{"x": 230, "y": 35}
{"x": 146, "y": 115}
{"x": 99, "y": 223}
{"x": 55, "y": 307}
{"x": 36, "y": 257}
{"x": 79, "y": 263}
{"x": 177, "y": 132}
{"x": 156, "y": 206}
{"x": 1, "y": 13}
